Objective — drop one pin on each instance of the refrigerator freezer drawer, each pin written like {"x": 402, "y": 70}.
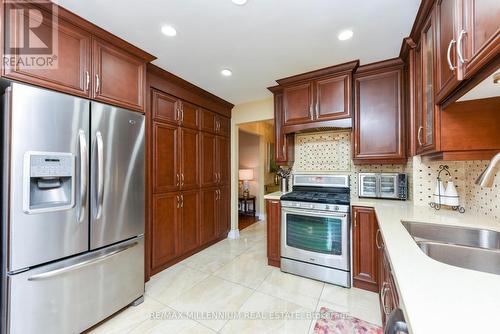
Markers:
{"x": 72, "y": 295}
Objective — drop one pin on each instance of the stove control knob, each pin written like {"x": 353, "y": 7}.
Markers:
{"x": 336, "y": 208}
{"x": 327, "y": 207}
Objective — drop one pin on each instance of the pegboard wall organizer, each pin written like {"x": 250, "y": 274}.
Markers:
{"x": 446, "y": 196}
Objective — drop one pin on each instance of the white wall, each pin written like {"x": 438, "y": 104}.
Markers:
{"x": 244, "y": 113}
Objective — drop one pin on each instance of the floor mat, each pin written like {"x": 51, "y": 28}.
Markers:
{"x": 340, "y": 323}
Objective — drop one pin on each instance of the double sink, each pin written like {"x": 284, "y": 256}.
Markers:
{"x": 470, "y": 248}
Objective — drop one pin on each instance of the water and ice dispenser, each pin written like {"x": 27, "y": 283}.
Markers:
{"x": 49, "y": 182}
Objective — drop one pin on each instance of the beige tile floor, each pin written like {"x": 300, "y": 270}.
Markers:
{"x": 203, "y": 294}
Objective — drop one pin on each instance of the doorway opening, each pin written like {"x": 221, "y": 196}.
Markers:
{"x": 257, "y": 170}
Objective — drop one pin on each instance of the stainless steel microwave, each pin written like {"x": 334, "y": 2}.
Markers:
{"x": 383, "y": 185}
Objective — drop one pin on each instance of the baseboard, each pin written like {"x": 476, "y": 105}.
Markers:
{"x": 234, "y": 234}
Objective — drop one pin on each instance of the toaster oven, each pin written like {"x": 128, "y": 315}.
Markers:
{"x": 383, "y": 185}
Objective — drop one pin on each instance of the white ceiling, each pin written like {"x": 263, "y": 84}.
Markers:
{"x": 261, "y": 41}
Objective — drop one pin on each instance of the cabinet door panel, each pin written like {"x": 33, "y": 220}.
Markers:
{"x": 446, "y": 56}
{"x": 208, "y": 160}
{"x": 273, "y": 212}
{"x": 297, "y": 103}
{"x": 223, "y": 159}
{"x": 208, "y": 121}
{"x": 118, "y": 76}
{"x": 481, "y": 43}
{"x": 69, "y": 73}
{"x": 224, "y": 126}
{"x": 164, "y": 229}
{"x": 208, "y": 224}
{"x": 378, "y": 133}
{"x": 332, "y": 98}
{"x": 189, "y": 229}
{"x": 224, "y": 222}
{"x": 165, "y": 163}
{"x": 190, "y": 116}
{"x": 365, "y": 252}
{"x": 165, "y": 107}
{"x": 190, "y": 159}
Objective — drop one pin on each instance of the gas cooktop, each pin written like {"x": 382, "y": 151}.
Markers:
{"x": 340, "y": 198}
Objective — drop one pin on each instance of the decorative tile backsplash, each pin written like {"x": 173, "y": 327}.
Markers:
{"x": 475, "y": 199}
{"x": 330, "y": 152}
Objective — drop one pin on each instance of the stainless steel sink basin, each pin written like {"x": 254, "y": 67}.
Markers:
{"x": 464, "y": 236}
{"x": 462, "y": 256}
{"x": 476, "y": 249}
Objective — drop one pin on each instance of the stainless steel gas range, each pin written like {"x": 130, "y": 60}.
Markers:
{"x": 315, "y": 224}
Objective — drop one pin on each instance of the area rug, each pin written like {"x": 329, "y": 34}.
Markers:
{"x": 340, "y": 323}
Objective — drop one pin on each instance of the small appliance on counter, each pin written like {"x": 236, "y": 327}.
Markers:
{"x": 383, "y": 185}
{"x": 315, "y": 225}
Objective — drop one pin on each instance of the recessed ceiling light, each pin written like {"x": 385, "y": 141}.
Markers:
{"x": 239, "y": 2}
{"x": 226, "y": 72}
{"x": 168, "y": 31}
{"x": 345, "y": 35}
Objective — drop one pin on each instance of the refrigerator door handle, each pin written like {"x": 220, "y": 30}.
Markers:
{"x": 80, "y": 265}
{"x": 83, "y": 174}
{"x": 100, "y": 174}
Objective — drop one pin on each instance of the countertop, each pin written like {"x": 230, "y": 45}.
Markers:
{"x": 274, "y": 196}
{"x": 436, "y": 297}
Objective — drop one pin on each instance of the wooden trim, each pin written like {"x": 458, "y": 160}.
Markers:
{"x": 316, "y": 74}
{"x": 379, "y": 66}
{"x": 274, "y": 263}
{"x": 460, "y": 155}
{"x": 174, "y": 85}
{"x": 94, "y": 30}
{"x": 424, "y": 10}
{"x": 344, "y": 123}
{"x": 407, "y": 45}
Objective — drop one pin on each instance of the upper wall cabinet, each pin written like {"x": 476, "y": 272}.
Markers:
{"x": 119, "y": 77}
{"x": 71, "y": 72}
{"x": 467, "y": 38}
{"x": 321, "y": 98}
{"x": 84, "y": 61}
{"x": 378, "y": 119}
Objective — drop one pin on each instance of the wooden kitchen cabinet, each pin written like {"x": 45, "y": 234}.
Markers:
{"x": 189, "y": 151}
{"x": 164, "y": 236}
{"x": 479, "y": 38}
{"x": 273, "y": 213}
{"x": 213, "y": 123}
{"x": 388, "y": 295}
{"x": 364, "y": 249}
{"x": 119, "y": 77}
{"x": 333, "y": 97}
{"x": 284, "y": 144}
{"x": 189, "y": 221}
{"x": 223, "y": 212}
{"x": 189, "y": 115}
{"x": 165, "y": 158}
{"x": 165, "y": 107}
{"x": 447, "y": 70}
{"x": 297, "y": 104}
{"x": 209, "y": 220}
{"x": 223, "y": 164}
{"x": 73, "y": 70}
{"x": 378, "y": 132}
{"x": 208, "y": 160}
{"x": 90, "y": 62}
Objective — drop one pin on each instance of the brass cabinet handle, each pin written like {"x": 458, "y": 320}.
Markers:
{"x": 178, "y": 202}
{"x": 182, "y": 179}
{"x": 459, "y": 46}
{"x": 355, "y": 219}
{"x": 182, "y": 201}
{"x": 178, "y": 180}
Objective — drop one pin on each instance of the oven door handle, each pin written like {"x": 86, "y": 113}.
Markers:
{"x": 306, "y": 212}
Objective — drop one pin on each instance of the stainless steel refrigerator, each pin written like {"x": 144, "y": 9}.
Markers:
{"x": 73, "y": 211}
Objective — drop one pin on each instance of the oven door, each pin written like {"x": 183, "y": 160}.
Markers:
{"x": 368, "y": 185}
{"x": 388, "y": 186}
{"x": 316, "y": 237}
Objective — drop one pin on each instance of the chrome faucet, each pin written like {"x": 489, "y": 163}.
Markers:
{"x": 488, "y": 175}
